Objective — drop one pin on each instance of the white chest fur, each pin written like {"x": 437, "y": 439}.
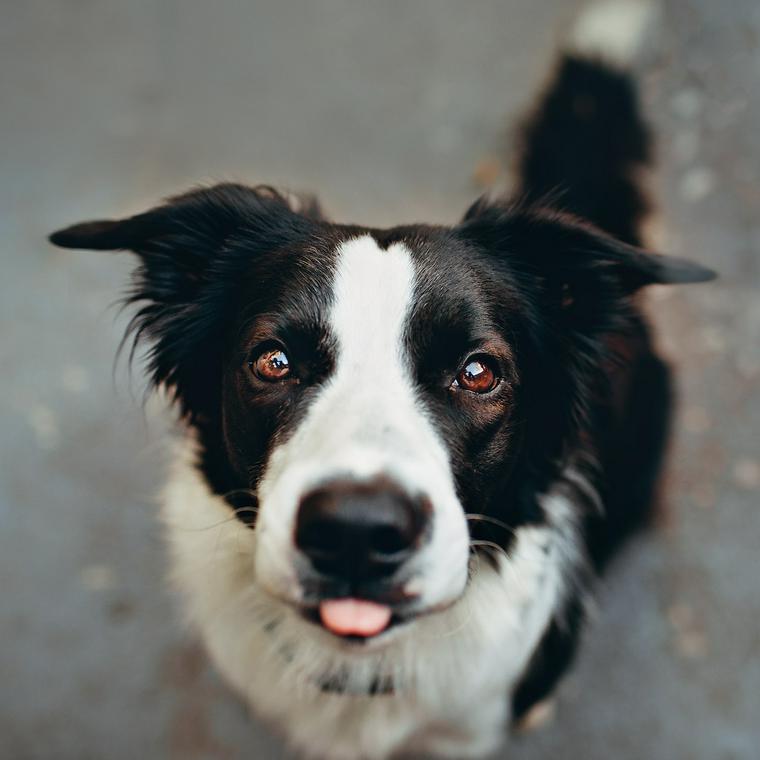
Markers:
{"x": 452, "y": 672}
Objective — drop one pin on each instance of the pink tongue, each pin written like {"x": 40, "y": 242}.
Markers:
{"x": 355, "y": 617}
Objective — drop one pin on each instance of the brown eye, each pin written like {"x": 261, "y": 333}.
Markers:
{"x": 271, "y": 365}
{"x": 477, "y": 376}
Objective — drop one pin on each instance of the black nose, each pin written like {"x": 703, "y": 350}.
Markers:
{"x": 359, "y": 532}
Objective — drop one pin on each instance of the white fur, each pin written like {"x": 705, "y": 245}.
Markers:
{"x": 613, "y": 29}
{"x": 366, "y": 422}
{"x": 452, "y": 671}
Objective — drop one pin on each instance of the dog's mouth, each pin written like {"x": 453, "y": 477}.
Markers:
{"x": 355, "y": 617}
{"x": 352, "y": 619}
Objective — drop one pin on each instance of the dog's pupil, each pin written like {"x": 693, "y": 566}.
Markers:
{"x": 273, "y": 364}
{"x": 476, "y": 376}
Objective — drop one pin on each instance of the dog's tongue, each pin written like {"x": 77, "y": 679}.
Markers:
{"x": 356, "y": 617}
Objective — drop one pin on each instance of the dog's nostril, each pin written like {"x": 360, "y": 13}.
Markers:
{"x": 388, "y": 540}
{"x": 359, "y": 531}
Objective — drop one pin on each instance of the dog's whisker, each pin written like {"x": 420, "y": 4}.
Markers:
{"x": 203, "y": 528}
{"x": 488, "y": 519}
{"x": 243, "y": 510}
{"x": 492, "y": 545}
{"x": 227, "y": 520}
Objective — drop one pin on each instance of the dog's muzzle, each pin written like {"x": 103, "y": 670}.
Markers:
{"x": 356, "y": 540}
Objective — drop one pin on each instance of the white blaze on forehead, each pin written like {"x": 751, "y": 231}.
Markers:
{"x": 367, "y": 420}
{"x": 373, "y": 296}
{"x": 375, "y": 424}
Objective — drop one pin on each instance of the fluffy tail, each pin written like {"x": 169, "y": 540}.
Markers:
{"x": 586, "y": 144}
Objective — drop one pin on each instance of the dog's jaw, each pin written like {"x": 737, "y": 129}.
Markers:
{"x": 457, "y": 667}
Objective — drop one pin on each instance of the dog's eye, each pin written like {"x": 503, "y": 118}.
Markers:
{"x": 271, "y": 365}
{"x": 477, "y": 376}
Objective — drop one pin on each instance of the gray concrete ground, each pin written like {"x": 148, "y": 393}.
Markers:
{"x": 394, "y": 112}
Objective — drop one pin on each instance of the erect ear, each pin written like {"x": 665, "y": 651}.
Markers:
{"x": 573, "y": 283}
{"x": 562, "y": 249}
{"x": 192, "y": 249}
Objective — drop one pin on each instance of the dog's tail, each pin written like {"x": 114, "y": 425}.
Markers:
{"x": 586, "y": 146}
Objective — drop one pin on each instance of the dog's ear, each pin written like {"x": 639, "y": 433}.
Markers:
{"x": 574, "y": 285}
{"x": 192, "y": 250}
{"x": 180, "y": 241}
{"x": 563, "y": 250}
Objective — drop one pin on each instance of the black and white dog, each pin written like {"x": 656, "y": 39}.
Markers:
{"x": 408, "y": 451}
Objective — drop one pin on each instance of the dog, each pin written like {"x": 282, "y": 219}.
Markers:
{"x": 408, "y": 453}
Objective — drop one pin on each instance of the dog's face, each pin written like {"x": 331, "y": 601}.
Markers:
{"x": 377, "y": 393}
{"x": 360, "y": 398}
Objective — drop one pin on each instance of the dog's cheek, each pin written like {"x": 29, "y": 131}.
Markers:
{"x": 274, "y": 565}
{"x": 247, "y": 433}
{"x": 250, "y": 423}
{"x": 484, "y": 443}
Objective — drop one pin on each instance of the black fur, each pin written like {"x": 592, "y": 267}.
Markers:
{"x": 585, "y": 146}
{"x": 548, "y": 291}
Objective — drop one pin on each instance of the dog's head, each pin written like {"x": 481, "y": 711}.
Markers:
{"x": 377, "y": 393}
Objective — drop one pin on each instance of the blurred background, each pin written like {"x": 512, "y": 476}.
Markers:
{"x": 392, "y": 112}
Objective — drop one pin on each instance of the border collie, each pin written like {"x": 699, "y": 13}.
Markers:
{"x": 408, "y": 452}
